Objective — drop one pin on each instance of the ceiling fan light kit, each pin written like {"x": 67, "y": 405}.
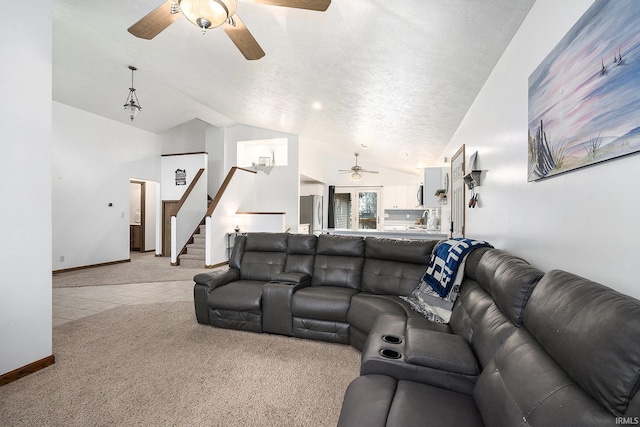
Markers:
{"x": 132, "y": 105}
{"x": 207, "y": 14}
{"x": 355, "y": 173}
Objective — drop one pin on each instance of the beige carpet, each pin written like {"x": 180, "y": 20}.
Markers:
{"x": 153, "y": 365}
{"x": 143, "y": 268}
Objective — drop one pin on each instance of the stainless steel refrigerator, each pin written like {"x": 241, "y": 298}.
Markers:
{"x": 311, "y": 212}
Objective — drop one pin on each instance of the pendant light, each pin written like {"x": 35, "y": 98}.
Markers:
{"x": 132, "y": 105}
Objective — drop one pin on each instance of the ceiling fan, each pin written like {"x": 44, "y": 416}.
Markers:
{"x": 207, "y": 14}
{"x": 356, "y": 171}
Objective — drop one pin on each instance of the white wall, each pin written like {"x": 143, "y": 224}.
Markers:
{"x": 191, "y": 163}
{"x": 215, "y": 148}
{"x": 188, "y": 137}
{"x": 92, "y": 162}
{"x": 584, "y": 221}
{"x": 25, "y": 217}
{"x": 279, "y": 191}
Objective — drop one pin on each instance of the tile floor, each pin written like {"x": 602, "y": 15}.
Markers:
{"x": 74, "y": 303}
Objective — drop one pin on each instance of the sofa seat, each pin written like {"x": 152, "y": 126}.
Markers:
{"x": 320, "y": 312}
{"x": 323, "y": 302}
{"x": 366, "y": 308}
{"x": 383, "y": 401}
{"x": 237, "y": 305}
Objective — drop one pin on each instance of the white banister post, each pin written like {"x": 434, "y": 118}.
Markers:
{"x": 174, "y": 239}
{"x": 208, "y": 230}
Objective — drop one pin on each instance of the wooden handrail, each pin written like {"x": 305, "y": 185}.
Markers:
{"x": 223, "y": 187}
{"x": 189, "y": 190}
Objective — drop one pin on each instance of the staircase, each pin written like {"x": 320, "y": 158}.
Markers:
{"x": 193, "y": 257}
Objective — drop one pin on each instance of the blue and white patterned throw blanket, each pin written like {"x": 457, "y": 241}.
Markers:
{"x": 439, "y": 287}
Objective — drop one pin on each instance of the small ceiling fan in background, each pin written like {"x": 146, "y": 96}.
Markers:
{"x": 356, "y": 171}
{"x": 206, "y": 14}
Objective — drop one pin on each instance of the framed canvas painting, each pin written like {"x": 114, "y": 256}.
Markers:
{"x": 584, "y": 98}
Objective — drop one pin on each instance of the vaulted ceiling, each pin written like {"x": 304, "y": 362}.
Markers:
{"x": 395, "y": 76}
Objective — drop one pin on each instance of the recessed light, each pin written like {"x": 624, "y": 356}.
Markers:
{"x": 317, "y": 106}
{"x": 404, "y": 154}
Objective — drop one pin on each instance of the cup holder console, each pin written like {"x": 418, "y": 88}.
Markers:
{"x": 391, "y": 339}
{"x": 390, "y": 354}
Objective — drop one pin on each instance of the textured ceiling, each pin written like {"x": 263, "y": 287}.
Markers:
{"x": 395, "y": 76}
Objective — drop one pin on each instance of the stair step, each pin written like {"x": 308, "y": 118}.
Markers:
{"x": 194, "y": 249}
{"x": 192, "y": 261}
{"x": 199, "y": 239}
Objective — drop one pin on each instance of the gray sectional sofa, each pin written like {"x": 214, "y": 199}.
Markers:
{"x": 521, "y": 348}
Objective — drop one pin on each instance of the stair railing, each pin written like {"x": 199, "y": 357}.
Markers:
{"x": 191, "y": 208}
{"x": 236, "y": 189}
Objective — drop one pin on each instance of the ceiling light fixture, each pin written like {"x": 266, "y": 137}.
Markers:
{"x": 207, "y": 14}
{"x": 355, "y": 176}
{"x": 132, "y": 104}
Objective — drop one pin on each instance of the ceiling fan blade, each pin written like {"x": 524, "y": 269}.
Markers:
{"x": 319, "y": 5}
{"x": 366, "y": 171}
{"x": 242, "y": 38}
{"x": 154, "y": 22}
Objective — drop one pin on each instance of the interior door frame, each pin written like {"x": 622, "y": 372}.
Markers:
{"x": 354, "y": 191}
{"x": 143, "y": 212}
{"x": 458, "y": 202}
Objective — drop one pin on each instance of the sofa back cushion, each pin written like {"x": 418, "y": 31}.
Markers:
{"x": 301, "y": 252}
{"x": 499, "y": 279}
{"x": 237, "y": 252}
{"x": 394, "y": 267}
{"x": 509, "y": 280}
{"x": 523, "y": 386}
{"x": 592, "y": 332}
{"x": 338, "y": 261}
{"x": 264, "y": 256}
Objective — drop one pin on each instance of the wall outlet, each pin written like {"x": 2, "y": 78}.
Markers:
{"x": 61, "y": 258}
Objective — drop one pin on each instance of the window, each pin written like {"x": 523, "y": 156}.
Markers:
{"x": 363, "y": 216}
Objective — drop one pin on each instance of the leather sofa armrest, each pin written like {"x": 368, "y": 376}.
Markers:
{"x": 217, "y": 278}
{"x": 296, "y": 278}
{"x": 440, "y": 350}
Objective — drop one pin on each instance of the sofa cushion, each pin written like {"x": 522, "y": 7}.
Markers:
{"x": 488, "y": 265}
{"x": 301, "y": 252}
{"x": 490, "y": 333}
{"x": 267, "y": 242}
{"x": 322, "y": 302}
{"x": 302, "y": 244}
{"x": 469, "y": 308}
{"x": 410, "y": 251}
{"x": 332, "y": 244}
{"x": 441, "y": 351}
{"x": 243, "y": 295}
{"x": 365, "y": 309}
{"x": 390, "y": 277}
{"x": 335, "y": 270}
{"x": 592, "y": 332}
{"x": 511, "y": 287}
{"x": 237, "y": 252}
{"x": 523, "y": 385}
{"x": 380, "y": 400}
{"x": 262, "y": 265}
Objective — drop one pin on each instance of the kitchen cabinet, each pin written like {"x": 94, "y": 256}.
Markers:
{"x": 400, "y": 196}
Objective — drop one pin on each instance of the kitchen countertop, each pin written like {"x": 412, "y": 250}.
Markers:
{"x": 398, "y": 234}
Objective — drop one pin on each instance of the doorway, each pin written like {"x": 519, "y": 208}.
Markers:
{"x": 457, "y": 193}
{"x": 144, "y": 219}
{"x": 357, "y": 208}
{"x": 137, "y": 215}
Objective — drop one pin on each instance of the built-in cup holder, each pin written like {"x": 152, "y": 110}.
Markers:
{"x": 390, "y": 354}
{"x": 391, "y": 339}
